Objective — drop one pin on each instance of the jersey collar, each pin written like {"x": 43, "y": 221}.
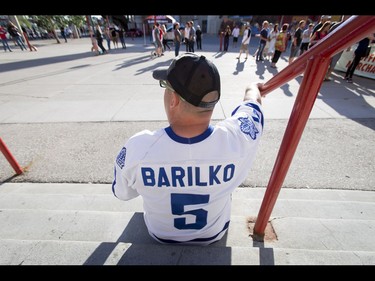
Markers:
{"x": 193, "y": 140}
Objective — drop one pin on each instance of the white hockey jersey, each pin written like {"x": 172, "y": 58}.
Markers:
{"x": 186, "y": 183}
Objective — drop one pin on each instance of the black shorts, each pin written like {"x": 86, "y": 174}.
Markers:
{"x": 304, "y": 46}
{"x": 235, "y": 39}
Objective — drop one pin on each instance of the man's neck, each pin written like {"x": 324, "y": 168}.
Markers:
{"x": 189, "y": 130}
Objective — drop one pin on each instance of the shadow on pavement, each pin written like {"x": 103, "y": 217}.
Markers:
{"x": 8, "y": 179}
{"x": 144, "y": 250}
{"x": 42, "y": 61}
{"x": 335, "y": 92}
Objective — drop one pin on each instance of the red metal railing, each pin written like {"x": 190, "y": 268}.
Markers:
{"x": 8, "y": 155}
{"x": 314, "y": 63}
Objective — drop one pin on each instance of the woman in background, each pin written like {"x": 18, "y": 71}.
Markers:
{"x": 280, "y": 44}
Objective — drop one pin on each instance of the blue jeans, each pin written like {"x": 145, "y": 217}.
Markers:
{"x": 6, "y": 45}
{"x": 260, "y": 50}
{"x": 20, "y": 42}
{"x": 176, "y": 48}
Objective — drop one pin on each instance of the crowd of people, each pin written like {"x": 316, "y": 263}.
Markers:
{"x": 189, "y": 35}
{"x": 290, "y": 40}
{"x": 22, "y": 36}
{"x": 111, "y": 34}
{"x": 293, "y": 40}
{"x": 15, "y": 34}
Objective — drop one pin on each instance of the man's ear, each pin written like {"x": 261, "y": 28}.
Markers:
{"x": 175, "y": 100}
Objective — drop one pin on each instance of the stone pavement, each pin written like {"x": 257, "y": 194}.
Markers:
{"x": 64, "y": 113}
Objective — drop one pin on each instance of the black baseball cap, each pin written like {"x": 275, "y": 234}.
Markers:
{"x": 192, "y": 77}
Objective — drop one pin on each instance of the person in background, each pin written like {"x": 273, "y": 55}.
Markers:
{"x": 306, "y": 35}
{"x": 272, "y": 40}
{"x": 31, "y": 46}
{"x": 192, "y": 37}
{"x": 323, "y": 19}
{"x": 320, "y": 33}
{"x": 158, "y": 40}
{"x": 359, "y": 53}
{"x": 336, "y": 57}
{"x": 16, "y": 35}
{"x": 165, "y": 37}
{"x": 296, "y": 41}
{"x": 114, "y": 36}
{"x": 227, "y": 34}
{"x": 107, "y": 37}
{"x": 198, "y": 37}
{"x": 266, "y": 47}
{"x": 99, "y": 38}
{"x": 177, "y": 38}
{"x": 63, "y": 35}
{"x": 263, "y": 40}
{"x": 68, "y": 32}
{"x": 245, "y": 42}
{"x": 280, "y": 44}
{"x": 4, "y": 39}
{"x": 235, "y": 34}
{"x": 94, "y": 43}
{"x": 187, "y": 36}
{"x": 121, "y": 36}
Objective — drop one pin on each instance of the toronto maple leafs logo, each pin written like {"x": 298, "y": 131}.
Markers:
{"x": 120, "y": 160}
{"x": 247, "y": 127}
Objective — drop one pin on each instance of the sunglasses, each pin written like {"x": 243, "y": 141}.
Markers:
{"x": 164, "y": 84}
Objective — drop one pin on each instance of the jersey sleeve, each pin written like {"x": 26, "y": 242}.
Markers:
{"x": 246, "y": 125}
{"x": 124, "y": 177}
{"x": 249, "y": 116}
{"x": 128, "y": 160}
{"x": 243, "y": 130}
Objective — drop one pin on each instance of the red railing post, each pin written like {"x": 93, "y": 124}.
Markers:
{"x": 8, "y": 155}
{"x": 315, "y": 72}
{"x": 315, "y": 63}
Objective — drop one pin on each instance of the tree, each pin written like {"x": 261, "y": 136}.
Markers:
{"x": 23, "y": 20}
{"x": 76, "y": 22}
{"x": 50, "y": 23}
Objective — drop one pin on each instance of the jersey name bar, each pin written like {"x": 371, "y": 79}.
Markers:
{"x": 177, "y": 176}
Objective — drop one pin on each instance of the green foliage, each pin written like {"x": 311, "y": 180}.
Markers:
{"x": 47, "y": 22}
{"x": 51, "y": 22}
{"x": 23, "y": 21}
{"x": 78, "y": 21}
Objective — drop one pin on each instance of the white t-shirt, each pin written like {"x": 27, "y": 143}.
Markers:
{"x": 236, "y": 32}
{"x": 245, "y": 37}
{"x": 153, "y": 35}
{"x": 306, "y": 36}
{"x": 186, "y": 183}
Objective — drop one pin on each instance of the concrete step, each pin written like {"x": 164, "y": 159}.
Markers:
{"x": 53, "y": 252}
{"x": 85, "y": 224}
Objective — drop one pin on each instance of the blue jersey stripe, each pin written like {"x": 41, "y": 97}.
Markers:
{"x": 193, "y": 240}
{"x": 256, "y": 107}
{"x": 114, "y": 182}
{"x": 193, "y": 140}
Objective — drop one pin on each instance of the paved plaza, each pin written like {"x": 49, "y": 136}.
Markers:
{"x": 65, "y": 113}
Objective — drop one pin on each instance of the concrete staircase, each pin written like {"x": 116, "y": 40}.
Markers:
{"x": 84, "y": 224}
